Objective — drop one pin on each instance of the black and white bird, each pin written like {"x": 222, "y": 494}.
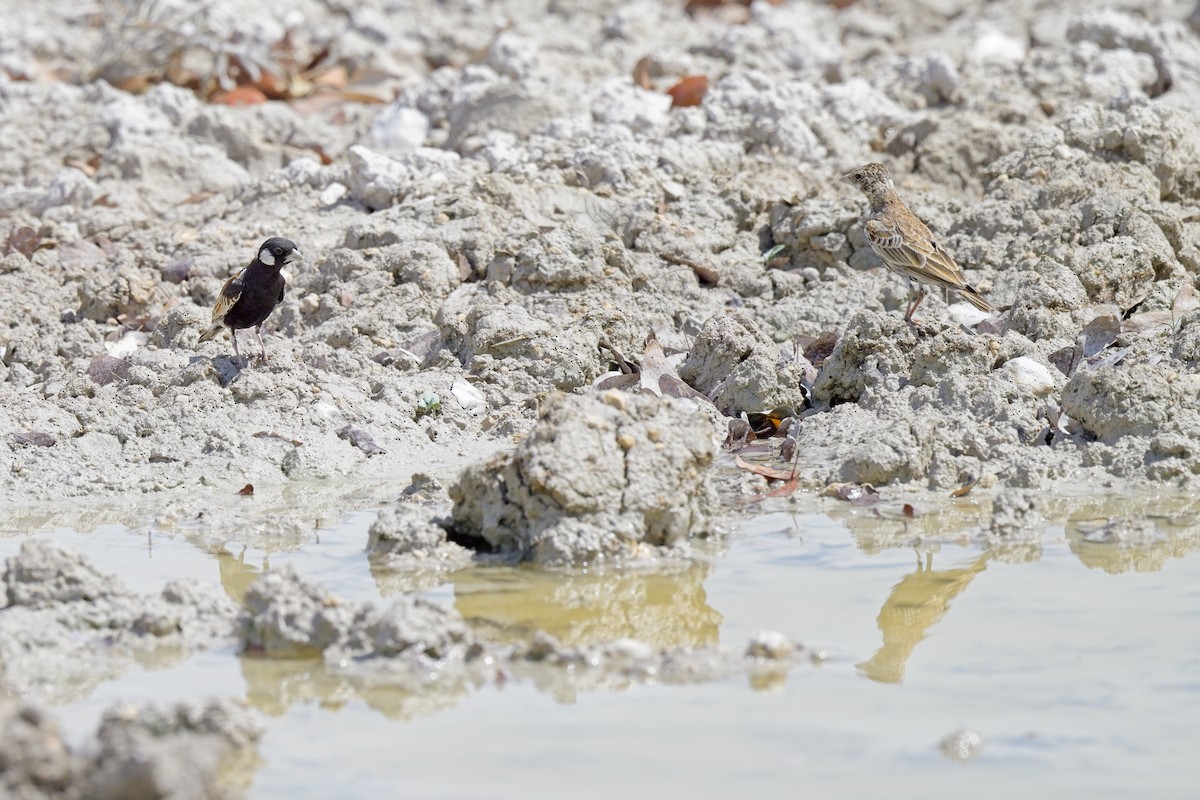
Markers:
{"x": 249, "y": 297}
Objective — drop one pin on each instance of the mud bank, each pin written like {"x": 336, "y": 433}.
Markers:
{"x": 473, "y": 242}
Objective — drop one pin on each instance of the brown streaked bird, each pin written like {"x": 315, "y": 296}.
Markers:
{"x": 249, "y": 297}
{"x": 904, "y": 243}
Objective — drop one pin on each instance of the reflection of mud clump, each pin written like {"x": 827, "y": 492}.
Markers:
{"x": 596, "y": 478}
{"x": 1129, "y": 543}
{"x": 288, "y": 618}
{"x": 1014, "y": 534}
{"x": 188, "y": 750}
{"x": 86, "y": 627}
{"x": 662, "y": 608}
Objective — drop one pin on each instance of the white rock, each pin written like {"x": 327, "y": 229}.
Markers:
{"x": 631, "y": 649}
{"x": 332, "y": 193}
{"x": 769, "y": 644}
{"x": 128, "y": 343}
{"x": 997, "y": 47}
{"x": 1024, "y": 371}
{"x": 310, "y": 303}
{"x": 398, "y": 129}
{"x": 377, "y": 181}
{"x": 468, "y": 396}
{"x": 966, "y": 314}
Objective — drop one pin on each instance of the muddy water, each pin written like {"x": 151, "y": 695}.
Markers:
{"x": 1076, "y": 668}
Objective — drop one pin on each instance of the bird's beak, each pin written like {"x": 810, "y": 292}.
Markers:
{"x": 846, "y": 179}
{"x": 295, "y": 255}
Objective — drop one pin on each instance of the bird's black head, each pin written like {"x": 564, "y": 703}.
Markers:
{"x": 276, "y": 252}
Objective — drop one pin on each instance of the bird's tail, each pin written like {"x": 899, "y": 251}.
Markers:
{"x": 213, "y": 330}
{"x": 968, "y": 293}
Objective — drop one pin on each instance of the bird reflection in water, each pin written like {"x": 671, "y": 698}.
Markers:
{"x": 917, "y": 602}
{"x": 236, "y": 574}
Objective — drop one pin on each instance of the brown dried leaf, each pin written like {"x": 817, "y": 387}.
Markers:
{"x": 774, "y": 473}
{"x": 34, "y": 439}
{"x": 1185, "y": 300}
{"x": 1099, "y": 334}
{"x": 336, "y": 77}
{"x": 272, "y": 85}
{"x": 247, "y": 490}
{"x": 360, "y": 439}
{"x": 641, "y": 72}
{"x": 820, "y": 348}
{"x": 689, "y": 91}
{"x": 198, "y": 197}
{"x": 908, "y": 511}
{"x": 279, "y": 436}
{"x": 739, "y": 433}
{"x": 23, "y": 240}
{"x": 241, "y": 96}
{"x": 364, "y": 97}
{"x": 706, "y": 275}
{"x": 105, "y": 369}
{"x": 964, "y": 490}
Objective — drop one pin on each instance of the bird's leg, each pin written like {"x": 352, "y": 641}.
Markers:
{"x": 263, "y": 347}
{"x": 908, "y": 314}
{"x": 233, "y": 335}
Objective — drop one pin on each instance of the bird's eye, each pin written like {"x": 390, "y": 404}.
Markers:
{"x": 278, "y": 251}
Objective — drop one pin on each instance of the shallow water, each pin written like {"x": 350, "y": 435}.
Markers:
{"x": 1078, "y": 678}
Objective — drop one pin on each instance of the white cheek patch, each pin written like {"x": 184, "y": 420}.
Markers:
{"x": 265, "y": 257}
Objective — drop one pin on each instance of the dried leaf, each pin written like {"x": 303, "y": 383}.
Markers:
{"x": 198, "y": 197}
{"x": 279, "y": 436}
{"x": 706, "y": 275}
{"x": 626, "y": 366}
{"x": 821, "y": 348}
{"x": 625, "y": 381}
{"x": 1185, "y": 300}
{"x": 178, "y": 270}
{"x": 1114, "y": 357}
{"x": 641, "y": 72}
{"x": 34, "y": 439}
{"x": 689, "y": 91}
{"x": 1099, "y": 334}
{"x": 23, "y": 240}
{"x": 769, "y": 256}
{"x": 774, "y": 473}
{"x": 908, "y": 511}
{"x": 247, "y": 490}
{"x": 964, "y": 490}
{"x": 336, "y": 77}
{"x": 997, "y": 324}
{"x": 272, "y": 85}
{"x": 739, "y": 433}
{"x": 105, "y": 369}
{"x": 659, "y": 377}
{"x": 241, "y": 96}
{"x": 87, "y": 166}
{"x": 134, "y": 84}
{"x": 360, "y": 439}
{"x": 1066, "y": 359}
{"x": 364, "y": 97}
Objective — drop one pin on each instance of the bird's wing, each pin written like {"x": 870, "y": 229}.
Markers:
{"x": 905, "y": 242}
{"x": 230, "y": 292}
{"x": 937, "y": 265}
